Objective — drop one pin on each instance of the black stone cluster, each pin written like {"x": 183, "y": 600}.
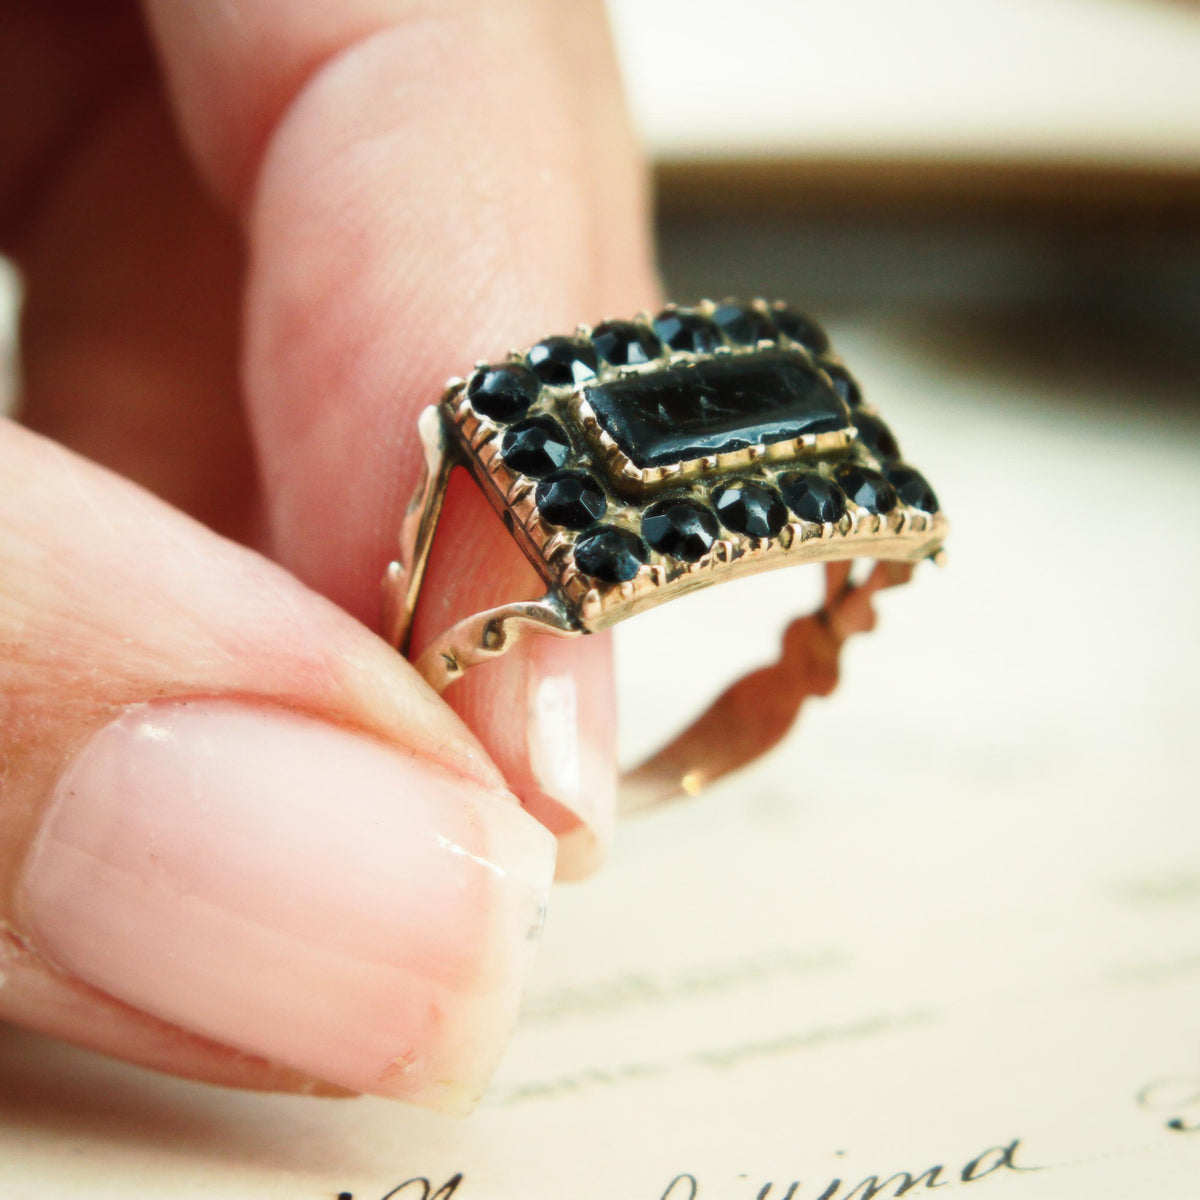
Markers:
{"x": 681, "y": 528}
{"x": 686, "y": 530}
{"x": 505, "y": 393}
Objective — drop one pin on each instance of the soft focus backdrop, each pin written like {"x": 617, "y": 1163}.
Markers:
{"x": 995, "y": 206}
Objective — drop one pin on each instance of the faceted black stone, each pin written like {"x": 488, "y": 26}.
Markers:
{"x": 571, "y": 499}
{"x": 801, "y": 329}
{"x": 610, "y": 554}
{"x": 504, "y": 392}
{"x": 743, "y": 324}
{"x": 866, "y": 487}
{"x": 682, "y": 329}
{"x": 716, "y": 406}
{"x": 751, "y": 509}
{"x": 844, "y": 383}
{"x": 679, "y": 528}
{"x": 535, "y": 447}
{"x": 912, "y": 487}
{"x": 625, "y": 344}
{"x": 876, "y": 436}
{"x": 812, "y": 497}
{"x": 559, "y": 360}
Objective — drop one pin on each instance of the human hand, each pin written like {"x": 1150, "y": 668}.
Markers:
{"x": 240, "y": 840}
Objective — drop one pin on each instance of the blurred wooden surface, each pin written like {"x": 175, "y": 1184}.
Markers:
{"x": 931, "y": 189}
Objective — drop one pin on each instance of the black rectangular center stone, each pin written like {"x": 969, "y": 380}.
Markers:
{"x": 715, "y": 407}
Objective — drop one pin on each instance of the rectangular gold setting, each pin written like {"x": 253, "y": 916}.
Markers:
{"x": 905, "y": 533}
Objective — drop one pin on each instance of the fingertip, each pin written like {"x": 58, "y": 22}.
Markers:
{"x": 571, "y": 738}
{"x": 546, "y": 714}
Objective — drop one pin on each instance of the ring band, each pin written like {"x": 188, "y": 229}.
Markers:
{"x": 639, "y": 460}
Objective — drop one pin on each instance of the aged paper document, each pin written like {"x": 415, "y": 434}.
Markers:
{"x": 946, "y": 940}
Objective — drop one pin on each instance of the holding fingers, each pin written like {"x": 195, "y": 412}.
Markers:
{"x": 240, "y": 839}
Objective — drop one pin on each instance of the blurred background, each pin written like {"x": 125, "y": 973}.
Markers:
{"x": 994, "y": 205}
{"x": 1005, "y": 159}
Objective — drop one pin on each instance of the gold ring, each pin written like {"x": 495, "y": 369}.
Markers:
{"x": 638, "y": 460}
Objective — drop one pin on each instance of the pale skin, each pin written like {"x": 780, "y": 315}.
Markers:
{"x": 256, "y": 238}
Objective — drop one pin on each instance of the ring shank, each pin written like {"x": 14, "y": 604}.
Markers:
{"x": 753, "y": 714}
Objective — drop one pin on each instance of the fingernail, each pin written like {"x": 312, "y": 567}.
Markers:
{"x": 572, "y": 746}
{"x": 294, "y": 890}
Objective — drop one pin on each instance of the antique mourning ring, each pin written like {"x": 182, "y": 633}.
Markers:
{"x": 639, "y": 460}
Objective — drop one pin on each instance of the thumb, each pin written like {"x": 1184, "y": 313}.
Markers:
{"x": 239, "y": 838}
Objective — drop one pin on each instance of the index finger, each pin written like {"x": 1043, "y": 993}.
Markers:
{"x": 423, "y": 186}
